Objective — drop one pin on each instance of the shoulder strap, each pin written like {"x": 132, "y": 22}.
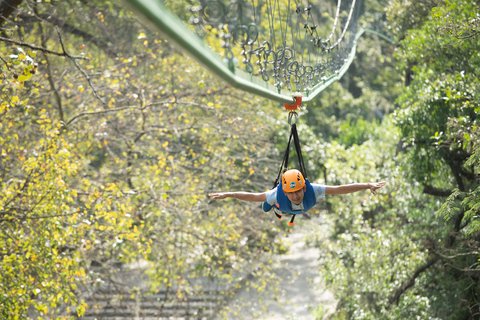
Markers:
{"x": 298, "y": 149}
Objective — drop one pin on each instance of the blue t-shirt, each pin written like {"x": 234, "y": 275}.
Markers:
{"x": 317, "y": 188}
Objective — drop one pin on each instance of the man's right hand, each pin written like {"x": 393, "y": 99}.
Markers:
{"x": 219, "y": 195}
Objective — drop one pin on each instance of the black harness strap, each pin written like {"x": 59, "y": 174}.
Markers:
{"x": 284, "y": 165}
{"x": 298, "y": 149}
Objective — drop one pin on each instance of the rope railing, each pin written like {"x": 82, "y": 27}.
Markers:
{"x": 270, "y": 69}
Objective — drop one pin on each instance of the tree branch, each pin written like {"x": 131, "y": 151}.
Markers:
{"x": 23, "y": 218}
{"x": 452, "y": 236}
{"x": 50, "y": 78}
{"x": 456, "y": 174}
{"x": 70, "y": 29}
{"x": 64, "y": 53}
{"x": 395, "y": 296}
{"x": 456, "y": 255}
{"x": 431, "y": 190}
{"x": 73, "y": 119}
{"x": 44, "y": 50}
{"x": 464, "y": 269}
{"x": 450, "y": 240}
{"x": 95, "y": 92}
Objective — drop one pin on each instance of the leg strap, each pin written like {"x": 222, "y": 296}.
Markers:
{"x": 291, "y": 223}
{"x": 279, "y": 215}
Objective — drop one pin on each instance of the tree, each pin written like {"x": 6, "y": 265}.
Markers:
{"x": 439, "y": 119}
{"x": 398, "y": 258}
{"x": 110, "y": 143}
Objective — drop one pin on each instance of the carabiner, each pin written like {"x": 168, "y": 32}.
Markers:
{"x": 292, "y": 115}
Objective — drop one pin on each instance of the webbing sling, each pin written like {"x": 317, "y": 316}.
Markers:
{"x": 284, "y": 165}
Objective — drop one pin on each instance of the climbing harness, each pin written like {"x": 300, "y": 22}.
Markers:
{"x": 292, "y": 121}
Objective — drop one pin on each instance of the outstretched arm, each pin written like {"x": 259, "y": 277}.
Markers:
{"x": 245, "y": 196}
{"x": 354, "y": 187}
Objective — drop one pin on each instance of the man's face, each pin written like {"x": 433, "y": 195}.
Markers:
{"x": 296, "y": 196}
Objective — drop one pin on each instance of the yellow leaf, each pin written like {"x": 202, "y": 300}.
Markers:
{"x": 165, "y": 144}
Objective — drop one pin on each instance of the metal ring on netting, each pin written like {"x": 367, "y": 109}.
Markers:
{"x": 240, "y": 35}
{"x": 233, "y": 12}
{"x": 214, "y": 11}
{"x": 252, "y": 33}
{"x": 298, "y": 86}
{"x": 309, "y": 71}
{"x": 258, "y": 51}
{"x": 229, "y": 54}
{"x": 265, "y": 75}
{"x": 273, "y": 61}
{"x": 310, "y": 76}
{"x": 269, "y": 49}
{"x": 249, "y": 67}
{"x": 292, "y": 67}
{"x": 302, "y": 68}
{"x": 243, "y": 35}
{"x": 200, "y": 31}
{"x": 282, "y": 54}
{"x": 319, "y": 70}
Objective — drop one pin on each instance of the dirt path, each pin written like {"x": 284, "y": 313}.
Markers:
{"x": 301, "y": 287}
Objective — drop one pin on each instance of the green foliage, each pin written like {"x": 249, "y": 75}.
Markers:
{"x": 108, "y": 150}
{"x": 356, "y": 133}
{"x": 440, "y": 111}
{"x": 40, "y": 221}
{"x": 411, "y": 254}
{"x": 110, "y": 146}
{"x": 404, "y": 15}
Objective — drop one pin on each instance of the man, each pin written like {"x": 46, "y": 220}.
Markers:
{"x": 295, "y": 195}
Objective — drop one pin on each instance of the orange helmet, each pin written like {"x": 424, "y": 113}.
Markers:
{"x": 292, "y": 180}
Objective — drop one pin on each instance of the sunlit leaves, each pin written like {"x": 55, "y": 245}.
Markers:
{"x": 122, "y": 180}
{"x": 436, "y": 119}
